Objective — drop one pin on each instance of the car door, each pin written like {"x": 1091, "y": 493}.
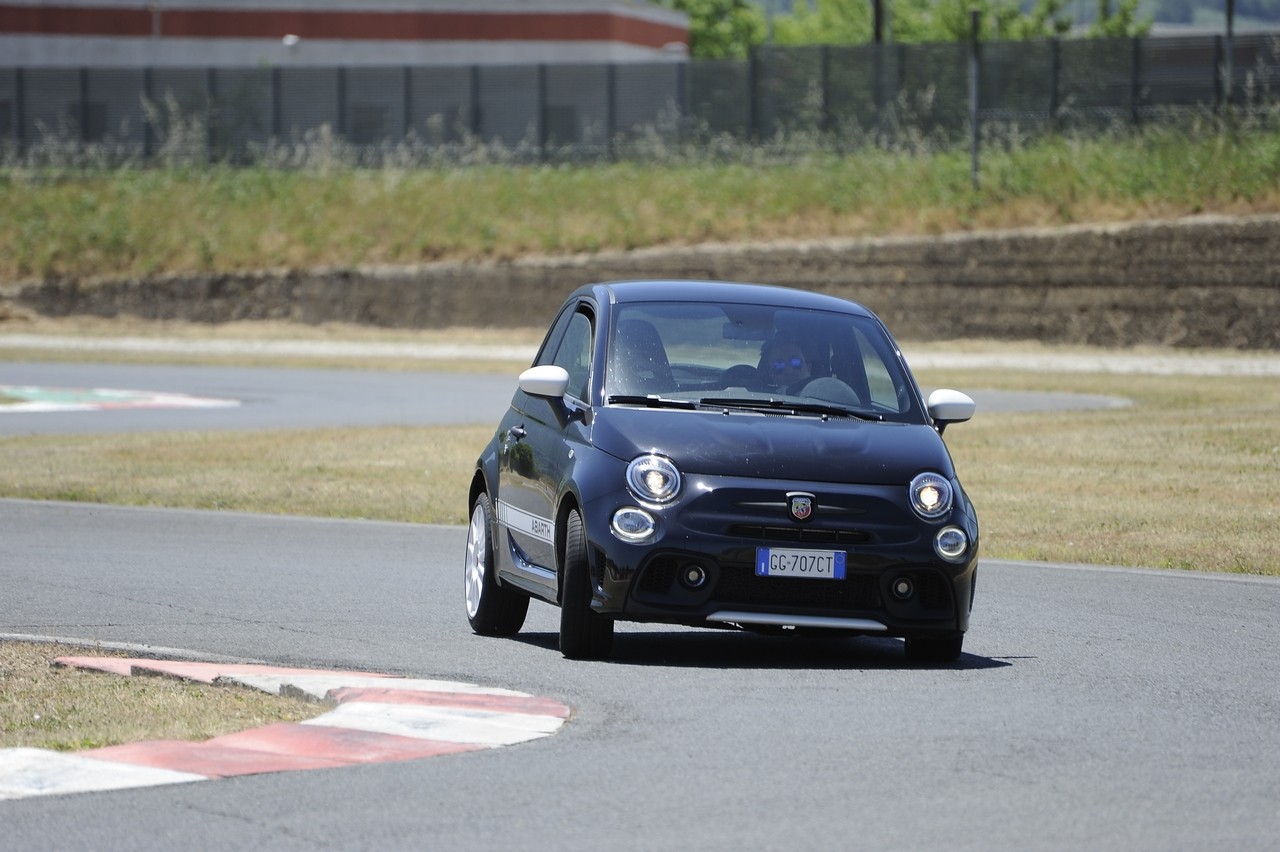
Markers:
{"x": 537, "y": 448}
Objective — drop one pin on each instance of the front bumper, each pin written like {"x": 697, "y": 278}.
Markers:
{"x": 713, "y": 533}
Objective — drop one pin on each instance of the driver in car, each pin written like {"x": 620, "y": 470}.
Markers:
{"x": 787, "y": 367}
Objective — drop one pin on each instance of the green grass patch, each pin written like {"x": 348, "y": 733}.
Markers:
{"x": 134, "y": 222}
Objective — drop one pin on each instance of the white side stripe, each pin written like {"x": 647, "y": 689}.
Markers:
{"x": 529, "y": 524}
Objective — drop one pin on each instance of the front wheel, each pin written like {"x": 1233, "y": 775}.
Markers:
{"x": 492, "y": 609}
{"x": 584, "y": 634}
{"x": 934, "y": 649}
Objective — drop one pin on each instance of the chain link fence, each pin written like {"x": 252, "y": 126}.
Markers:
{"x": 792, "y": 99}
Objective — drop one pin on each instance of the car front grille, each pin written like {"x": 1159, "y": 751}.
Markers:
{"x": 806, "y": 535}
{"x": 658, "y": 576}
{"x": 932, "y": 590}
{"x": 740, "y": 585}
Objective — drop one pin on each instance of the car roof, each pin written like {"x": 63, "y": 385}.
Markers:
{"x": 729, "y": 292}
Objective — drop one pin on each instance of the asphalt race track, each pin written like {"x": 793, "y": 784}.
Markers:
{"x": 1094, "y": 708}
{"x": 308, "y": 398}
{"x": 269, "y": 398}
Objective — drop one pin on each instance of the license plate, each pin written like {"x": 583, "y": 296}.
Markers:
{"x": 812, "y": 564}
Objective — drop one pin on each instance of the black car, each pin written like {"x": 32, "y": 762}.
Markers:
{"x": 722, "y": 455}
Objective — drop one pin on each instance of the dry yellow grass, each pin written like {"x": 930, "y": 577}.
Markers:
{"x": 20, "y": 322}
{"x": 1187, "y": 477}
{"x": 69, "y": 710}
{"x": 399, "y": 474}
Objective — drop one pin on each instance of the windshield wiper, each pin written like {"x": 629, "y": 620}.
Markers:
{"x": 651, "y": 401}
{"x": 783, "y": 406}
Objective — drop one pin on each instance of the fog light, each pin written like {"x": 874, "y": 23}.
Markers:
{"x": 632, "y": 525}
{"x": 903, "y": 588}
{"x": 951, "y": 544}
{"x": 693, "y": 576}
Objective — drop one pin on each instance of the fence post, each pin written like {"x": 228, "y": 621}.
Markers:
{"x": 84, "y": 106}
{"x": 1135, "y": 83}
{"x": 611, "y": 109}
{"x": 542, "y": 112}
{"x": 477, "y": 120}
{"x": 824, "y": 118}
{"x": 276, "y": 117}
{"x": 877, "y": 83}
{"x": 975, "y": 20}
{"x": 753, "y": 92}
{"x": 148, "y": 132}
{"x": 342, "y": 103}
{"x": 20, "y": 110}
{"x": 211, "y": 113}
{"x": 1055, "y": 68}
{"x": 406, "y": 102}
{"x": 1217, "y": 73}
{"x": 685, "y": 95}
{"x": 1230, "y": 51}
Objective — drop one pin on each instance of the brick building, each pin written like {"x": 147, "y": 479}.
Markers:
{"x": 351, "y": 33}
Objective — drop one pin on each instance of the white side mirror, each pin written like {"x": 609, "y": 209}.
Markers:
{"x": 950, "y": 406}
{"x": 547, "y": 380}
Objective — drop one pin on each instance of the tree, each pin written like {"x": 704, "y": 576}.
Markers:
{"x": 1120, "y": 22}
{"x": 850, "y": 21}
{"x": 828, "y": 22}
{"x": 721, "y": 29}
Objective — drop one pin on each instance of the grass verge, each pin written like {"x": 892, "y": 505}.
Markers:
{"x": 1187, "y": 477}
{"x": 71, "y": 710}
{"x": 400, "y": 349}
{"x": 417, "y": 475}
{"x": 76, "y": 223}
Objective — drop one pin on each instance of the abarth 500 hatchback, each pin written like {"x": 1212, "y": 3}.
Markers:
{"x": 722, "y": 455}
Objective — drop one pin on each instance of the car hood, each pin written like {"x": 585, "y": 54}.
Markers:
{"x": 773, "y": 446}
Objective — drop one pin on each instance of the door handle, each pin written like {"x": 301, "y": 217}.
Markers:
{"x": 517, "y": 432}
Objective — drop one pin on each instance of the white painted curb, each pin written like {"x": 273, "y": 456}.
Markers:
{"x": 376, "y": 718}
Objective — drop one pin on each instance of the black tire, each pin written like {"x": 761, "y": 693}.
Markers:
{"x": 934, "y": 649}
{"x": 492, "y": 609}
{"x": 584, "y": 634}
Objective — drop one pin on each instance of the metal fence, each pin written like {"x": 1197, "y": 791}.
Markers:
{"x": 806, "y": 96}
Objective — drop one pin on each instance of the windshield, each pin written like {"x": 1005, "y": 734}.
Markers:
{"x": 740, "y": 356}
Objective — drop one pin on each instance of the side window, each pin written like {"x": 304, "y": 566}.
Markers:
{"x": 574, "y": 354}
{"x": 551, "y": 343}
{"x": 880, "y": 384}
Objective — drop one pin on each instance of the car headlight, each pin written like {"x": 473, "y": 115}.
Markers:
{"x": 951, "y": 544}
{"x": 930, "y": 496}
{"x": 653, "y": 478}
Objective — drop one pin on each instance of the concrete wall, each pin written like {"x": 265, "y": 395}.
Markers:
{"x": 1197, "y": 282}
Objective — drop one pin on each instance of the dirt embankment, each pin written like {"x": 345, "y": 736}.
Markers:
{"x": 1197, "y": 282}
